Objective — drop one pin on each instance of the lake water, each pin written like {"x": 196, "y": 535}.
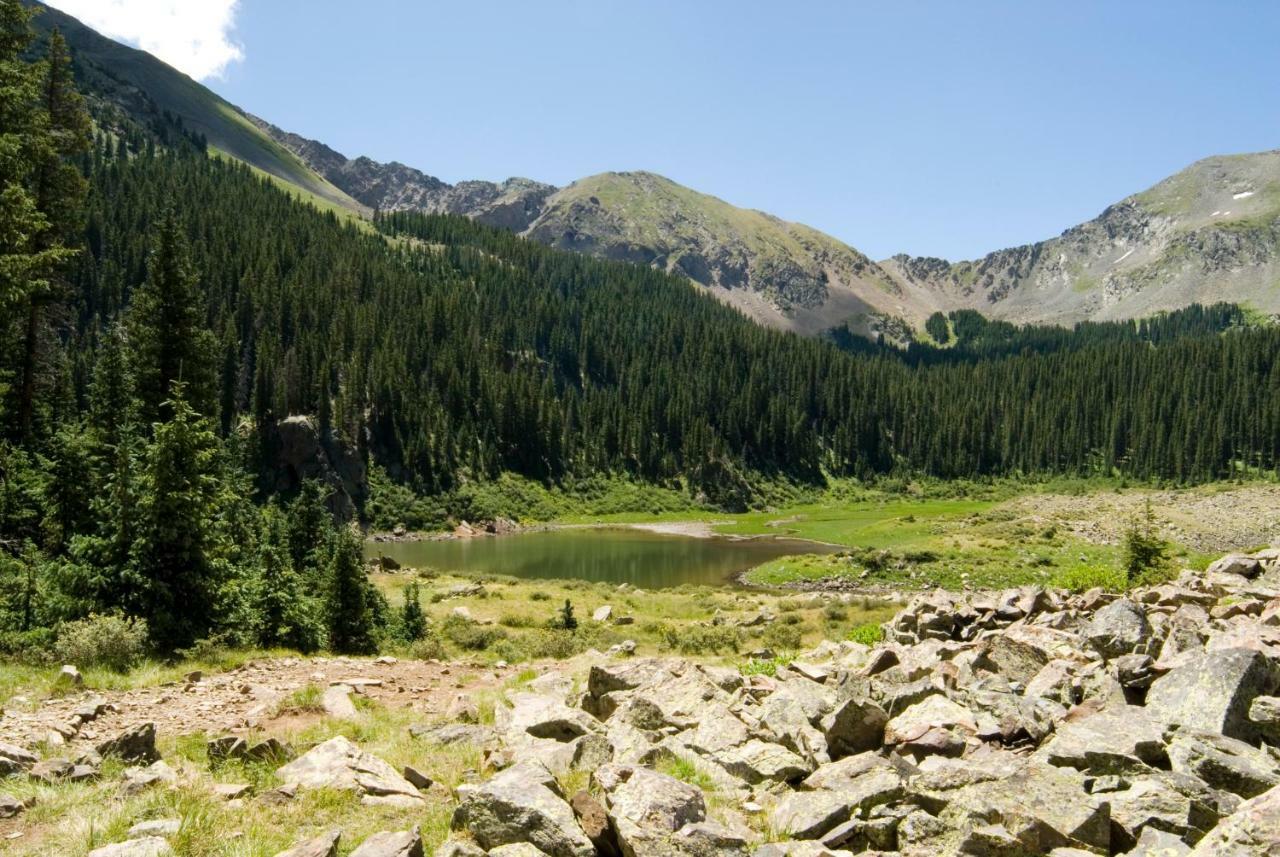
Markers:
{"x": 614, "y": 555}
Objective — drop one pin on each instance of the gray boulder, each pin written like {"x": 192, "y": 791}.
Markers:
{"x": 340, "y": 764}
{"x": 855, "y": 726}
{"x": 1251, "y": 831}
{"x": 150, "y": 846}
{"x": 1120, "y": 628}
{"x": 1224, "y": 763}
{"x": 135, "y": 744}
{"x": 648, "y": 808}
{"x": 405, "y": 843}
{"x": 1118, "y": 739}
{"x": 1213, "y": 692}
{"x": 1264, "y": 713}
{"x": 324, "y": 845}
{"x": 521, "y": 804}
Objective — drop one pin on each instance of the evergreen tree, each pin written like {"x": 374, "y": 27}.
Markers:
{"x": 167, "y": 333}
{"x": 351, "y": 615}
{"x": 413, "y": 622}
{"x": 176, "y": 560}
{"x": 1144, "y": 550}
{"x": 566, "y": 619}
{"x": 286, "y": 612}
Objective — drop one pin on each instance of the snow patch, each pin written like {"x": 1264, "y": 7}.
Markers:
{"x": 1215, "y": 214}
{"x": 1122, "y": 258}
{"x": 1244, "y": 194}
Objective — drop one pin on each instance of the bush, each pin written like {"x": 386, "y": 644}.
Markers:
{"x": 868, "y": 633}
{"x": 783, "y": 638}
{"x": 567, "y": 620}
{"x": 700, "y": 639}
{"x": 835, "y": 612}
{"x": 1082, "y": 578}
{"x": 469, "y": 635}
{"x": 102, "y": 641}
{"x": 429, "y": 648}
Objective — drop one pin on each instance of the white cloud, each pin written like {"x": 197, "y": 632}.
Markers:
{"x": 193, "y": 36}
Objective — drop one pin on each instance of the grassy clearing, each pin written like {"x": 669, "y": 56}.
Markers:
{"x": 72, "y": 819}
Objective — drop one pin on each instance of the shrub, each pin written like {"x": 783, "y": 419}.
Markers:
{"x": 567, "y": 620}
{"x": 470, "y": 635}
{"x": 539, "y": 595}
{"x": 767, "y": 667}
{"x": 428, "y": 648}
{"x": 1082, "y": 578}
{"x": 783, "y": 638}
{"x": 699, "y": 639}
{"x": 102, "y": 641}
{"x": 868, "y": 633}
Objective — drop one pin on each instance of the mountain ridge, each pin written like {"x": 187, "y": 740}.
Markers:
{"x": 1209, "y": 233}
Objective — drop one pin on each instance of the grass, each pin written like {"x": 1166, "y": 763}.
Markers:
{"x": 71, "y": 819}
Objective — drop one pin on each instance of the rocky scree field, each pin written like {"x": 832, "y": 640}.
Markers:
{"x": 1016, "y": 722}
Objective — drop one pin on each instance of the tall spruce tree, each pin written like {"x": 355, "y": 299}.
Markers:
{"x": 351, "y": 613}
{"x": 167, "y": 333}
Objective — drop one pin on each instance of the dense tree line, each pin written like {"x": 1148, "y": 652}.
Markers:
{"x": 162, "y": 310}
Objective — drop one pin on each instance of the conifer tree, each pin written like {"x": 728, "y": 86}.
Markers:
{"x": 351, "y": 613}
{"x": 413, "y": 622}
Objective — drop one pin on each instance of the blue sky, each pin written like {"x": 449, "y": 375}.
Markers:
{"x": 936, "y": 128}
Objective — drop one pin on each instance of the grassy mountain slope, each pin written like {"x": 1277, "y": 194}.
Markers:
{"x": 144, "y": 87}
{"x": 781, "y": 273}
{"x": 1208, "y": 233}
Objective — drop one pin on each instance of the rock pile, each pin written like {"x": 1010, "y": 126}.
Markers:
{"x": 1009, "y": 723}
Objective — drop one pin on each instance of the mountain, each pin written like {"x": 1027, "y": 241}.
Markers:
{"x": 1208, "y": 233}
{"x": 145, "y": 89}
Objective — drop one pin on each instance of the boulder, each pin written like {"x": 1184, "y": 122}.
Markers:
{"x": 647, "y": 808}
{"x": 855, "y": 726}
{"x": 1238, "y": 564}
{"x": 11, "y": 807}
{"x": 809, "y": 815}
{"x": 14, "y": 759}
{"x": 324, "y": 845}
{"x": 340, "y": 764}
{"x": 1117, "y": 739}
{"x": 517, "y": 849}
{"x": 1120, "y": 628}
{"x": 155, "y": 827}
{"x": 149, "y": 846}
{"x": 406, "y": 843}
{"x": 1213, "y": 692}
{"x": 1159, "y": 843}
{"x": 521, "y": 804}
{"x": 138, "y": 779}
{"x": 758, "y": 761}
{"x": 337, "y": 703}
{"x": 595, "y": 823}
{"x": 1253, "y": 830}
{"x": 541, "y": 716}
{"x": 1224, "y": 763}
{"x": 602, "y": 614}
{"x": 69, "y": 676}
{"x": 459, "y": 848}
{"x": 936, "y": 725}
{"x": 1264, "y": 713}
{"x": 135, "y": 744}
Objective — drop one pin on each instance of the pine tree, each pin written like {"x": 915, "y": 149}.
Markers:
{"x": 351, "y": 615}
{"x": 413, "y": 622}
{"x": 1144, "y": 550}
{"x": 287, "y": 614}
{"x": 176, "y": 562}
{"x": 566, "y": 619}
{"x": 167, "y": 333}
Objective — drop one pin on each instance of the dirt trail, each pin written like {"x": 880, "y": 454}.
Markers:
{"x": 242, "y": 699}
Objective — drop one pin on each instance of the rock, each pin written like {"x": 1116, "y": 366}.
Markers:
{"x": 647, "y": 808}
{"x": 1224, "y": 763}
{"x": 710, "y": 838}
{"x": 150, "y": 846}
{"x": 10, "y": 806}
{"x": 545, "y": 717}
{"x": 855, "y": 726}
{"x": 809, "y": 815}
{"x": 137, "y": 780}
{"x": 602, "y": 614}
{"x": 463, "y": 709}
{"x": 1237, "y": 564}
{"x": 1158, "y": 843}
{"x": 517, "y": 849}
{"x": 51, "y": 770}
{"x": 459, "y": 848}
{"x": 1213, "y": 692}
{"x": 231, "y": 791}
{"x": 14, "y": 758}
{"x": 69, "y": 676}
{"x": 521, "y": 804}
{"x": 1253, "y": 830}
{"x": 1264, "y": 713}
{"x": 156, "y": 827}
{"x": 1120, "y": 628}
{"x": 864, "y": 782}
{"x": 595, "y": 823}
{"x": 419, "y": 780}
{"x": 227, "y": 747}
{"x": 407, "y": 843}
{"x": 1115, "y": 740}
{"x": 798, "y": 849}
{"x": 758, "y": 761}
{"x": 135, "y": 744}
{"x": 324, "y": 845}
{"x": 337, "y": 703}
{"x": 339, "y": 764}
{"x": 83, "y": 773}
{"x": 270, "y": 750}
{"x": 936, "y": 725}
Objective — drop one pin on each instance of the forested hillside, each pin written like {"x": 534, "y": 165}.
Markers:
{"x": 164, "y": 310}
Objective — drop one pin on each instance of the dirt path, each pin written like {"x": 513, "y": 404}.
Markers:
{"x": 243, "y": 699}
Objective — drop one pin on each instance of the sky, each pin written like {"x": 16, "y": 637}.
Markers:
{"x": 934, "y": 128}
